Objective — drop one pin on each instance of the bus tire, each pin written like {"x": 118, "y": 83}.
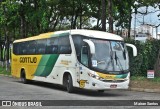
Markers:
{"x": 69, "y": 84}
{"x": 23, "y": 77}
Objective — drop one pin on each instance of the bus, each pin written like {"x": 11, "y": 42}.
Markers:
{"x": 85, "y": 59}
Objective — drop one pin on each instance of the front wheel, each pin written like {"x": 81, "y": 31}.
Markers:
{"x": 69, "y": 84}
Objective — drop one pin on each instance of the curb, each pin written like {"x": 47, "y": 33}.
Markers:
{"x": 145, "y": 90}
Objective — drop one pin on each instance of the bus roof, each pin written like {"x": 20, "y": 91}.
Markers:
{"x": 96, "y": 34}
{"x": 89, "y": 33}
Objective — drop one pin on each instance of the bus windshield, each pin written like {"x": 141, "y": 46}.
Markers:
{"x": 110, "y": 56}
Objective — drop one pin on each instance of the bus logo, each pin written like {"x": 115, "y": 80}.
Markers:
{"x": 28, "y": 60}
{"x": 82, "y": 83}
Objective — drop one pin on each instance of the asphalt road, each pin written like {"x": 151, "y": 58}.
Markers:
{"x": 13, "y": 89}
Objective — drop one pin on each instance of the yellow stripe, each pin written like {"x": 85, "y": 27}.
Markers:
{"x": 109, "y": 76}
{"x": 106, "y": 76}
{"x": 41, "y": 36}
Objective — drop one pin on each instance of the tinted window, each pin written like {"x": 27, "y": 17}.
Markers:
{"x": 77, "y": 39}
{"x": 32, "y": 47}
{"x": 23, "y": 48}
{"x": 52, "y": 45}
{"x": 41, "y": 46}
{"x": 64, "y": 46}
{"x": 15, "y": 48}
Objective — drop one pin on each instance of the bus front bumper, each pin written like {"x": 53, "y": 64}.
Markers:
{"x": 95, "y": 84}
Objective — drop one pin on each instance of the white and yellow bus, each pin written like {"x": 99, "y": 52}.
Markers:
{"x": 74, "y": 58}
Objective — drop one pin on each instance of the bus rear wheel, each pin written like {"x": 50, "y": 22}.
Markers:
{"x": 69, "y": 83}
{"x": 23, "y": 77}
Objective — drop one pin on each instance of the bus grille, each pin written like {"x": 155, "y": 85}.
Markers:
{"x": 114, "y": 81}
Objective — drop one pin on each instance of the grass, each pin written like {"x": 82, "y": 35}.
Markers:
{"x": 144, "y": 82}
{"x": 3, "y": 71}
{"x": 142, "y": 78}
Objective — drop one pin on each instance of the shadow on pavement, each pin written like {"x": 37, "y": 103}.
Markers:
{"x": 94, "y": 93}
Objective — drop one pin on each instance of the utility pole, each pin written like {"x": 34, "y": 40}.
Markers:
{"x": 135, "y": 23}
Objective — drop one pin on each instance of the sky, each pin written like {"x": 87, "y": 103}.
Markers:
{"x": 150, "y": 18}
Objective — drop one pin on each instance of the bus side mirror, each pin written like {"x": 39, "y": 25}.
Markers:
{"x": 134, "y": 49}
{"x": 91, "y": 45}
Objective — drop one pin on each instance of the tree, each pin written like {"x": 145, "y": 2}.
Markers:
{"x": 103, "y": 3}
{"x": 110, "y": 16}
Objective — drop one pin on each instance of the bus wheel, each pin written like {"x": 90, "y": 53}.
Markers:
{"x": 23, "y": 77}
{"x": 69, "y": 84}
{"x": 101, "y": 91}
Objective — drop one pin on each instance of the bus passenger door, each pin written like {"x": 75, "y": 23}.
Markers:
{"x": 84, "y": 55}
{"x": 84, "y": 59}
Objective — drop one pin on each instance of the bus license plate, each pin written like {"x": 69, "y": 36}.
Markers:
{"x": 113, "y": 86}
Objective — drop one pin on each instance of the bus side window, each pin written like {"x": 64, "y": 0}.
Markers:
{"x": 52, "y": 49}
{"x": 16, "y": 48}
{"x": 31, "y": 47}
{"x": 84, "y": 55}
{"x": 77, "y": 39}
{"x": 52, "y": 45}
{"x": 64, "y": 46}
{"x": 23, "y": 48}
{"x": 41, "y": 46}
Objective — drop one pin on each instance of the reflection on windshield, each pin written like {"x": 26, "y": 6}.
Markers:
{"x": 110, "y": 56}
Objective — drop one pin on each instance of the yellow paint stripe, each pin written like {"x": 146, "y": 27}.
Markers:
{"x": 41, "y": 36}
{"x": 106, "y": 76}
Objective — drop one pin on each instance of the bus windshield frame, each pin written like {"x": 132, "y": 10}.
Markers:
{"x": 110, "y": 56}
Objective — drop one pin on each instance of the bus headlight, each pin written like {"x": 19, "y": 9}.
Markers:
{"x": 95, "y": 76}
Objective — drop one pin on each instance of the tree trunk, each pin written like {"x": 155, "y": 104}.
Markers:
{"x": 37, "y": 20}
{"x": 6, "y": 42}
{"x": 23, "y": 21}
{"x": 56, "y": 23}
{"x": 23, "y": 35}
{"x": 72, "y": 21}
{"x": 80, "y": 19}
{"x": 103, "y": 3}
{"x": 75, "y": 19}
{"x": 130, "y": 19}
{"x": 73, "y": 12}
{"x": 98, "y": 13}
{"x": 110, "y": 16}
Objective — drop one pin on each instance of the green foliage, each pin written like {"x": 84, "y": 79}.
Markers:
{"x": 143, "y": 78}
{"x": 23, "y": 18}
{"x": 146, "y": 58}
{"x": 4, "y": 72}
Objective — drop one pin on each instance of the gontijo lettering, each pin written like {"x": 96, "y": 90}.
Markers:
{"x": 28, "y": 59}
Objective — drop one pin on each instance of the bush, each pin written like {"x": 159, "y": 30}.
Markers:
{"x": 146, "y": 58}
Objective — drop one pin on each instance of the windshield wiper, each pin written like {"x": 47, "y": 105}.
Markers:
{"x": 118, "y": 61}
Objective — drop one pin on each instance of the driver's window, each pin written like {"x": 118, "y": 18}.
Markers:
{"x": 84, "y": 55}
